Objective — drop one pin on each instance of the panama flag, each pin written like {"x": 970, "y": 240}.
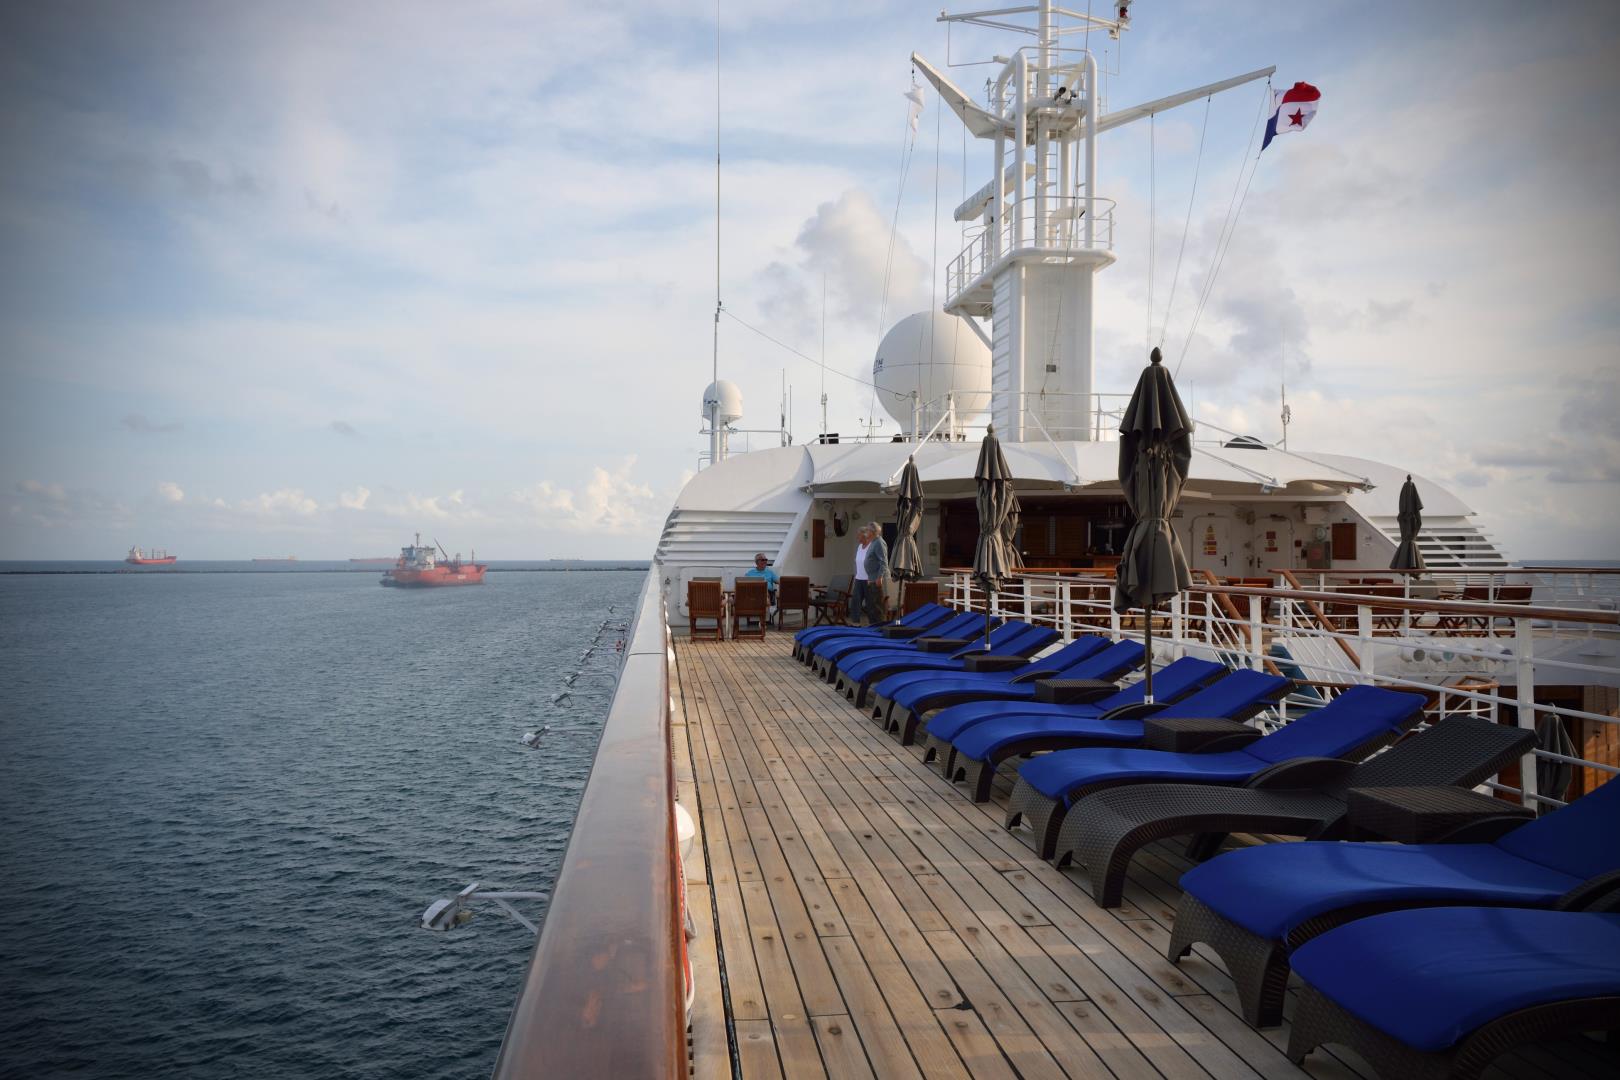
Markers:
{"x": 1293, "y": 110}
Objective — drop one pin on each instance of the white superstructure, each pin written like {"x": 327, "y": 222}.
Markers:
{"x": 1012, "y": 344}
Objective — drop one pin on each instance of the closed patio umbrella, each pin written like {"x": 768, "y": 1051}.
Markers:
{"x": 1407, "y": 555}
{"x": 994, "y": 557}
{"x": 905, "y": 561}
{"x": 1155, "y": 450}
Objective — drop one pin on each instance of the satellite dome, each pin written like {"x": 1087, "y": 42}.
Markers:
{"x": 730, "y": 399}
{"x": 931, "y": 354}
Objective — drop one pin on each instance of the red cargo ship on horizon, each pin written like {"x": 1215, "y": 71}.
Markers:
{"x": 137, "y": 557}
{"x": 420, "y": 566}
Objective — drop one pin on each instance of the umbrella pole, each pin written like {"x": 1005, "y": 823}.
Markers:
{"x": 1147, "y": 697}
{"x": 987, "y": 596}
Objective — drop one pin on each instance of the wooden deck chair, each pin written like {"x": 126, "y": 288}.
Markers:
{"x": 793, "y": 594}
{"x": 705, "y": 601}
{"x": 832, "y": 602}
{"x": 914, "y": 594}
{"x": 751, "y": 606}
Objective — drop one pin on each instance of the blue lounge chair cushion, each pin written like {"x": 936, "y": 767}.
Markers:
{"x": 1271, "y": 889}
{"x": 990, "y": 735}
{"x": 950, "y": 723}
{"x": 895, "y": 687}
{"x": 1431, "y": 976}
{"x": 1581, "y": 839}
{"x": 965, "y": 625}
{"x": 1011, "y": 639}
{"x": 1350, "y": 720}
{"x": 994, "y": 738}
{"x": 923, "y": 616}
{"x": 1110, "y": 661}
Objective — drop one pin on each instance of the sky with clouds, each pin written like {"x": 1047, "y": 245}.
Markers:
{"x": 305, "y": 277}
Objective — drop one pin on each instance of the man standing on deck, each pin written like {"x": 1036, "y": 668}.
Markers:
{"x": 871, "y": 564}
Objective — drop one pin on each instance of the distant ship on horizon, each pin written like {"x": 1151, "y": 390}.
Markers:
{"x": 379, "y": 559}
{"x": 420, "y": 566}
{"x": 155, "y": 557}
{"x": 275, "y": 558}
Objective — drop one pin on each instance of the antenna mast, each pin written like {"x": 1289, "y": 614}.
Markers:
{"x": 716, "y": 439}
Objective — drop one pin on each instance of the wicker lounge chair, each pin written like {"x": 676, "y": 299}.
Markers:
{"x": 706, "y": 602}
{"x": 824, "y": 654}
{"x": 793, "y": 594}
{"x": 1442, "y": 993}
{"x": 1256, "y": 904}
{"x": 977, "y": 753}
{"x": 980, "y": 682}
{"x": 1302, "y": 798}
{"x": 750, "y": 609}
{"x": 1100, "y": 704}
{"x": 917, "y": 622}
{"x": 856, "y": 674}
{"x": 1354, "y": 724}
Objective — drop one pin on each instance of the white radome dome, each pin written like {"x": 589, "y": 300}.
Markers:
{"x": 932, "y": 354}
{"x": 730, "y": 399}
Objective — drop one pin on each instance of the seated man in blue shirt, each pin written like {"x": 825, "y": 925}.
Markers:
{"x": 762, "y": 569}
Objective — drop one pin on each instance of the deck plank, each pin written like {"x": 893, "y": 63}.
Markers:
{"x": 874, "y": 922}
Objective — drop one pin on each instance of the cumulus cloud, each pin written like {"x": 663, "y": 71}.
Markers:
{"x": 356, "y": 499}
{"x": 612, "y": 501}
{"x": 139, "y": 422}
{"x": 51, "y": 505}
{"x": 437, "y": 507}
{"x": 170, "y": 492}
{"x": 847, "y": 241}
{"x": 287, "y": 502}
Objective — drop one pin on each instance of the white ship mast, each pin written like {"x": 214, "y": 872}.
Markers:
{"x": 1044, "y": 231}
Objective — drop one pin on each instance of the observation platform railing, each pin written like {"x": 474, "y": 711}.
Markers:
{"x": 1058, "y": 232}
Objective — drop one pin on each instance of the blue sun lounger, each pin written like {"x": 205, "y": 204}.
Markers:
{"x": 979, "y": 751}
{"x": 857, "y": 672}
{"x": 914, "y": 623}
{"x": 1444, "y": 992}
{"x": 1255, "y": 904}
{"x": 1016, "y": 682}
{"x": 1176, "y": 680}
{"x": 1353, "y": 724}
{"x": 824, "y": 656}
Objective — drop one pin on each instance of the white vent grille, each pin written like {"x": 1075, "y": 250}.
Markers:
{"x": 723, "y": 538}
{"x": 1449, "y": 545}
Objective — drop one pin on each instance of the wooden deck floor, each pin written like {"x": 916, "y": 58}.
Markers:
{"x": 874, "y": 922}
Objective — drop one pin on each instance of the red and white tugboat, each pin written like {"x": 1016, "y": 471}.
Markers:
{"x": 422, "y": 566}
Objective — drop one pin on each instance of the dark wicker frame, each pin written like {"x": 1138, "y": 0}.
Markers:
{"x": 1259, "y": 966}
{"x": 1319, "y": 1020}
{"x": 1047, "y": 817}
{"x": 1305, "y": 798}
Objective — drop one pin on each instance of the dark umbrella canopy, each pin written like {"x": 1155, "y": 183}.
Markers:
{"x": 994, "y": 557}
{"x": 1155, "y": 451}
{"x": 1407, "y": 555}
{"x": 905, "y": 562}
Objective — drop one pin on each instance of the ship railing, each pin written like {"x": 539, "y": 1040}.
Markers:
{"x": 1057, "y": 235}
{"x": 1547, "y": 667}
{"x": 604, "y": 991}
{"x": 1589, "y": 587}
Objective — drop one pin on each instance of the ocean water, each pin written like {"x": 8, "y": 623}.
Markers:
{"x": 226, "y": 798}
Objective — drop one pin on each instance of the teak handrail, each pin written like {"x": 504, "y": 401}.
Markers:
{"x": 603, "y": 993}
